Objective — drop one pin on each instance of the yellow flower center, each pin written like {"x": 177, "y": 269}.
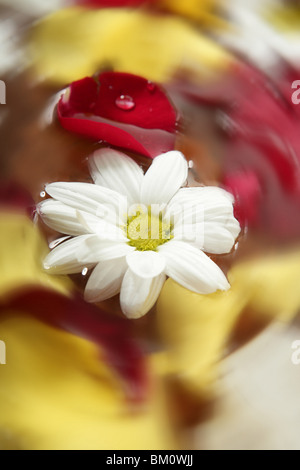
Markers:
{"x": 146, "y": 231}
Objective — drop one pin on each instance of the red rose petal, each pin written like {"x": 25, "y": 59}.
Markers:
{"x": 146, "y": 142}
{"x": 124, "y": 110}
{"x": 83, "y": 95}
{"x": 152, "y": 108}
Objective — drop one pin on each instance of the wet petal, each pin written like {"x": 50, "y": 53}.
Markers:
{"x": 64, "y": 258}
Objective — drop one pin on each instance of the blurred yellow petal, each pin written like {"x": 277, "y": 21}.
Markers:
{"x": 273, "y": 284}
{"x": 197, "y": 10}
{"x": 56, "y": 394}
{"x": 285, "y": 18}
{"x": 22, "y": 249}
{"x": 77, "y": 42}
{"x": 195, "y": 329}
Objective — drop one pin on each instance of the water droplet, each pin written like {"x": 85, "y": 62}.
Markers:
{"x": 57, "y": 242}
{"x": 151, "y": 86}
{"x": 84, "y": 271}
{"x": 42, "y": 193}
{"x": 125, "y": 102}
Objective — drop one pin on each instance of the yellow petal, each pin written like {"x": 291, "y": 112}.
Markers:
{"x": 56, "y": 394}
{"x": 195, "y": 329}
{"x": 22, "y": 249}
{"x": 285, "y": 18}
{"x": 273, "y": 284}
{"x": 77, "y": 42}
{"x": 203, "y": 11}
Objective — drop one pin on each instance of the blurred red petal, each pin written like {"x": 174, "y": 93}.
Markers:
{"x": 245, "y": 187}
{"x": 14, "y": 197}
{"x": 124, "y": 110}
{"x": 262, "y": 162}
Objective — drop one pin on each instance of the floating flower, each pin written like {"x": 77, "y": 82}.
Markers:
{"x": 136, "y": 229}
{"x": 123, "y": 109}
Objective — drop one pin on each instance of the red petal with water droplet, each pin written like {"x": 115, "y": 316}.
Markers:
{"x": 147, "y": 127}
{"x": 113, "y": 335}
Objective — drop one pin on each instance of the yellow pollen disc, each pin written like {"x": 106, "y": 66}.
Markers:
{"x": 147, "y": 232}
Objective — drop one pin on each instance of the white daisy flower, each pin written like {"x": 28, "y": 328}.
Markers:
{"x": 136, "y": 229}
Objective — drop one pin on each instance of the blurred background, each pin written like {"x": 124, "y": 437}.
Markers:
{"x": 198, "y": 372}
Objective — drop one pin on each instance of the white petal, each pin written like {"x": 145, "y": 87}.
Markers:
{"x": 192, "y": 268}
{"x": 206, "y": 214}
{"x": 102, "y": 228}
{"x": 95, "y": 249}
{"x": 101, "y": 202}
{"x": 167, "y": 173}
{"x": 63, "y": 218}
{"x": 211, "y": 198}
{"x": 138, "y": 295}
{"x": 218, "y": 237}
{"x": 117, "y": 171}
{"x": 203, "y": 194}
{"x": 146, "y": 264}
{"x": 63, "y": 259}
{"x": 105, "y": 280}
